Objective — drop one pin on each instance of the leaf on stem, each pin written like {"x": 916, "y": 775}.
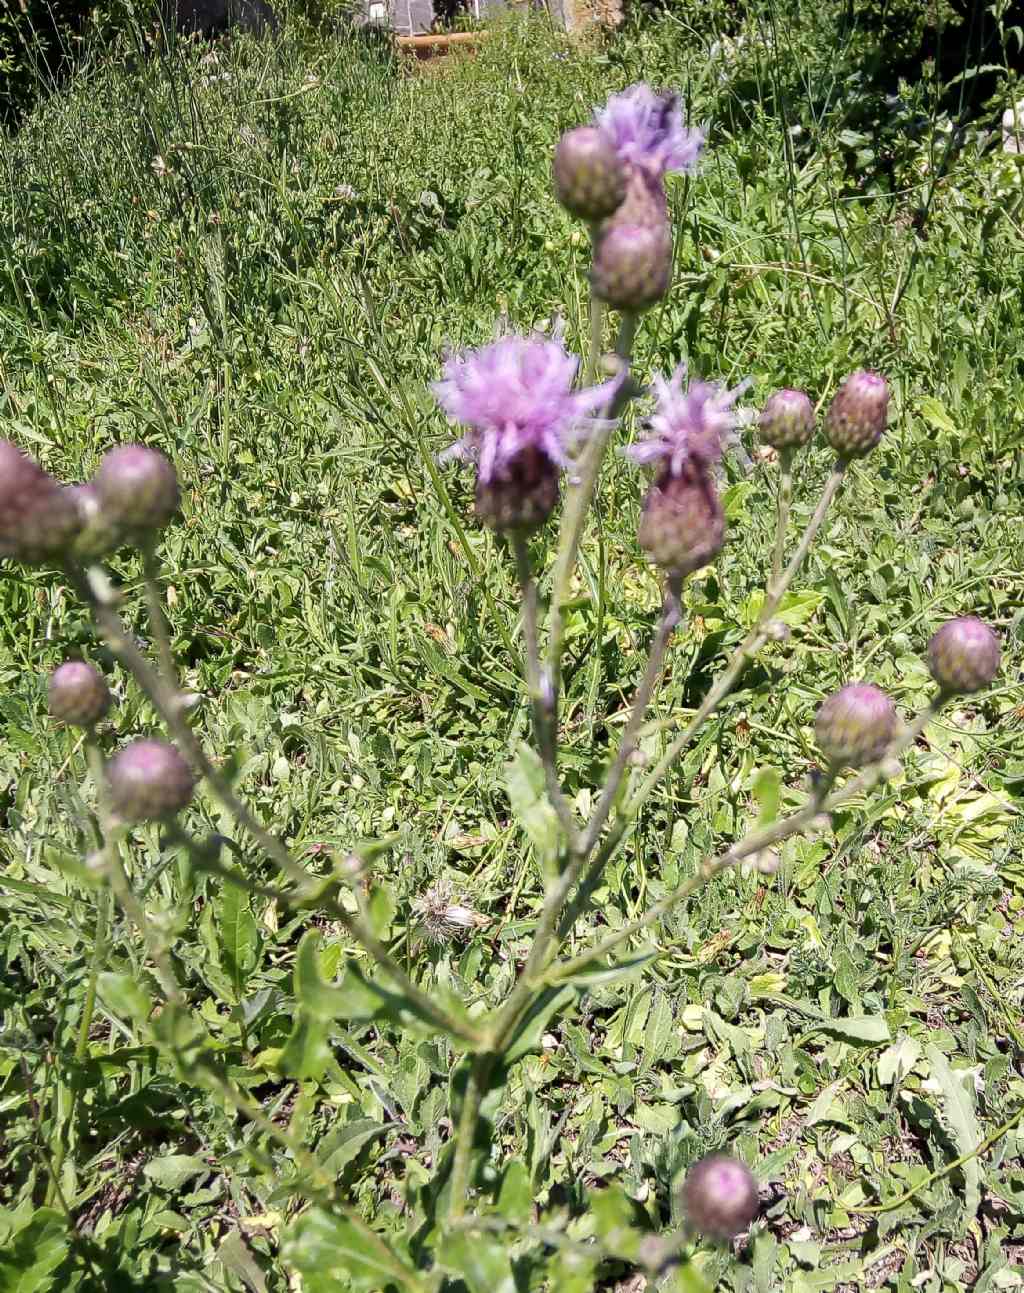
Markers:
{"x": 524, "y": 781}
{"x": 331, "y": 1252}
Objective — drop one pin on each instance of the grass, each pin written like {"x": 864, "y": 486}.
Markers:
{"x": 253, "y": 257}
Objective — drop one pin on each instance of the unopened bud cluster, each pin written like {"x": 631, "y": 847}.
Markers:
{"x": 611, "y": 174}
{"x": 131, "y": 498}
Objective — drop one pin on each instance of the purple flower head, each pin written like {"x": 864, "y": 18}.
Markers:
{"x": 647, "y": 130}
{"x": 515, "y": 395}
{"x": 688, "y": 425}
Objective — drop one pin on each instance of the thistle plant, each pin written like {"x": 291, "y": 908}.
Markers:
{"x": 536, "y": 428}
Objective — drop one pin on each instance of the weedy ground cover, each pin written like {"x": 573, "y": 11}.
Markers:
{"x": 253, "y": 258}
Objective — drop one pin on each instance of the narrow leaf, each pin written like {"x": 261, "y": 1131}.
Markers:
{"x": 963, "y": 1124}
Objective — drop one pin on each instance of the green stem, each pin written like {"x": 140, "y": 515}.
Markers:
{"x": 940, "y": 1172}
{"x": 782, "y": 523}
{"x": 544, "y": 729}
{"x": 754, "y": 842}
{"x": 99, "y": 952}
{"x": 670, "y": 617}
{"x": 577, "y": 504}
{"x": 163, "y": 692}
{"x": 749, "y": 647}
{"x": 596, "y": 339}
{"x": 465, "y": 1135}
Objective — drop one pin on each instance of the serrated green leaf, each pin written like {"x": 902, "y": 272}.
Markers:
{"x": 959, "y": 1108}
{"x": 326, "y": 1249}
{"x": 239, "y": 937}
{"x": 767, "y": 790}
{"x": 172, "y": 1170}
{"x": 867, "y": 1029}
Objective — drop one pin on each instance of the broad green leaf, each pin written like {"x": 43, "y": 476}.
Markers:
{"x": 239, "y": 937}
{"x": 319, "y": 1000}
{"x": 29, "y": 1258}
{"x": 333, "y": 1252}
{"x": 796, "y": 608}
{"x": 935, "y": 414}
{"x": 125, "y": 996}
{"x": 338, "y": 1148}
{"x": 480, "y": 1259}
{"x": 524, "y": 780}
{"x": 962, "y": 1123}
{"x": 515, "y": 1198}
{"x": 868, "y": 1029}
{"x": 172, "y": 1170}
{"x": 234, "y": 1255}
{"x": 896, "y": 1061}
{"x": 766, "y": 791}
{"x": 306, "y": 1055}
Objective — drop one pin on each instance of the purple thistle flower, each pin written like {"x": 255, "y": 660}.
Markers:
{"x": 688, "y": 426}
{"x": 515, "y": 395}
{"x": 647, "y": 130}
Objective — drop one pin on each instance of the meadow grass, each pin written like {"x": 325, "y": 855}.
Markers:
{"x": 253, "y": 257}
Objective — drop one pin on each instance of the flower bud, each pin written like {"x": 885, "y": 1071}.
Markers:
{"x": 522, "y": 496}
{"x": 857, "y": 415}
{"x": 719, "y": 1197}
{"x": 682, "y": 526}
{"x": 856, "y": 725}
{"x": 98, "y": 536}
{"x": 632, "y": 266}
{"x": 963, "y": 655}
{"x": 787, "y": 421}
{"x": 137, "y": 488}
{"x": 149, "y": 780}
{"x": 78, "y": 694}
{"x": 37, "y": 518}
{"x": 590, "y": 179}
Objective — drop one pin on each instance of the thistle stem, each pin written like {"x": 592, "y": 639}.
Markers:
{"x": 782, "y": 523}
{"x": 670, "y": 617}
{"x": 578, "y": 500}
{"x": 596, "y": 338}
{"x": 165, "y": 696}
{"x": 543, "y": 717}
{"x": 117, "y": 878}
{"x": 754, "y": 842}
{"x": 746, "y": 650}
{"x": 465, "y": 1136}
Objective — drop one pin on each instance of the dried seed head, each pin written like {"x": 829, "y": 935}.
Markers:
{"x": 38, "y": 519}
{"x": 719, "y": 1197}
{"x": 78, "y": 694}
{"x": 149, "y": 780}
{"x": 787, "y": 421}
{"x": 682, "y": 526}
{"x": 443, "y": 917}
{"x": 963, "y": 655}
{"x": 857, "y": 415}
{"x": 137, "y": 489}
{"x": 590, "y": 179}
{"x": 856, "y": 725}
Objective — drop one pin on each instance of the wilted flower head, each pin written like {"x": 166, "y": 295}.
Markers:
{"x": 443, "y": 917}
{"x": 515, "y": 395}
{"x": 647, "y": 130}
{"x": 688, "y": 426}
